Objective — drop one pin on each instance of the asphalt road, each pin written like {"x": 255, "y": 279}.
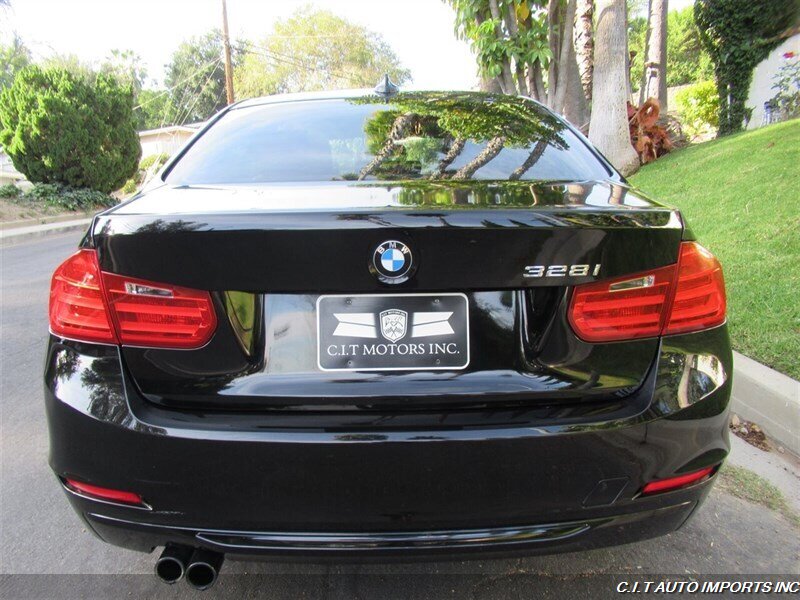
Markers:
{"x": 45, "y": 551}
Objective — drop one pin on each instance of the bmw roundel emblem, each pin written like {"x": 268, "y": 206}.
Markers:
{"x": 392, "y": 261}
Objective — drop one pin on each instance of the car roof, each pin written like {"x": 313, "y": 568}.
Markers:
{"x": 304, "y": 96}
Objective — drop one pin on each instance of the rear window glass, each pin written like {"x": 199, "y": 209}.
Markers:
{"x": 412, "y": 136}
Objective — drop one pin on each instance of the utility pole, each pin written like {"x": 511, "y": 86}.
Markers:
{"x": 226, "y": 41}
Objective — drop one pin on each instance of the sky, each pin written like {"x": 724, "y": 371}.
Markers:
{"x": 421, "y": 34}
{"x": 419, "y": 31}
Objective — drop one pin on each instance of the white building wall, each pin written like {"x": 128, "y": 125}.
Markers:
{"x": 761, "y": 87}
{"x": 163, "y": 143}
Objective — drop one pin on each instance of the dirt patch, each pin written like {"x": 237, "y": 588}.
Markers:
{"x": 747, "y": 485}
{"x": 20, "y": 210}
{"x": 750, "y": 433}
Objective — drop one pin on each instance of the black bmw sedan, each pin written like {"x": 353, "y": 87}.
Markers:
{"x": 367, "y": 325}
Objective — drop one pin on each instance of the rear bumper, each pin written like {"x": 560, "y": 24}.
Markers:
{"x": 497, "y": 488}
{"x": 408, "y": 545}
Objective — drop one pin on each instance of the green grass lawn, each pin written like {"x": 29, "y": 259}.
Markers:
{"x": 741, "y": 197}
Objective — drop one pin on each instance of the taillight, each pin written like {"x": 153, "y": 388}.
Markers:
{"x": 88, "y": 305}
{"x": 689, "y": 296}
{"x": 77, "y": 307}
{"x": 700, "y": 300}
{"x": 156, "y": 314}
{"x": 625, "y": 308}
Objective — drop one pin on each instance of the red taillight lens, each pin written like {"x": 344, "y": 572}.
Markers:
{"x": 91, "y": 306}
{"x": 689, "y": 296}
{"x": 155, "y": 314}
{"x": 625, "y": 308}
{"x": 673, "y": 483}
{"x": 77, "y": 307}
{"x": 104, "y": 493}
{"x": 700, "y": 292}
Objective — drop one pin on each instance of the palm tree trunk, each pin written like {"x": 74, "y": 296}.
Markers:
{"x": 555, "y": 47}
{"x": 584, "y": 44}
{"x": 608, "y": 129}
{"x": 532, "y": 159}
{"x": 654, "y": 81}
{"x": 456, "y": 146}
{"x": 492, "y": 149}
{"x": 508, "y": 78}
{"x": 399, "y": 127}
{"x": 566, "y": 56}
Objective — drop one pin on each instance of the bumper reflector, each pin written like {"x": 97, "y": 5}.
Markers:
{"x": 673, "y": 483}
{"x": 102, "y": 493}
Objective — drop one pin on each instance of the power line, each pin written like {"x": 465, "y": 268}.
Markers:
{"x": 213, "y": 64}
{"x": 198, "y": 94}
{"x": 293, "y": 61}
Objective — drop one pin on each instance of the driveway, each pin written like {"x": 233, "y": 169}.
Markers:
{"x": 45, "y": 551}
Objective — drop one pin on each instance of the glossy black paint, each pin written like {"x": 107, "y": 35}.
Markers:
{"x": 542, "y": 443}
{"x": 393, "y": 471}
{"x": 272, "y": 237}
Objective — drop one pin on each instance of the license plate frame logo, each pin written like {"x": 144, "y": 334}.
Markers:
{"x": 393, "y": 332}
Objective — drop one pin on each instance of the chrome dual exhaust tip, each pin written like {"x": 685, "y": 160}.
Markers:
{"x": 200, "y": 567}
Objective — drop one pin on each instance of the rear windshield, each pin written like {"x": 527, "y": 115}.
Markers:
{"x": 410, "y": 136}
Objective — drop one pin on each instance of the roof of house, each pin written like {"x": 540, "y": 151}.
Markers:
{"x": 170, "y": 129}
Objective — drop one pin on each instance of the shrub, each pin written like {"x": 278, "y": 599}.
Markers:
{"x": 154, "y": 161}
{"x": 53, "y": 194}
{"x": 67, "y": 128}
{"x": 698, "y": 107}
{"x": 787, "y": 84}
{"x": 130, "y": 186}
{"x": 148, "y": 165}
{"x": 9, "y": 190}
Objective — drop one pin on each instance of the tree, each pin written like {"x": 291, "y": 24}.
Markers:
{"x": 195, "y": 78}
{"x": 738, "y": 35}
{"x": 58, "y": 126}
{"x": 608, "y": 129}
{"x": 654, "y": 74}
{"x": 687, "y": 59}
{"x": 315, "y": 50}
{"x": 153, "y": 109}
{"x": 13, "y": 58}
{"x": 527, "y": 47}
{"x": 127, "y": 67}
{"x": 584, "y": 44}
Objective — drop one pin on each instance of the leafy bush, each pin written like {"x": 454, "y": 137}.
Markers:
{"x": 698, "y": 107}
{"x": 53, "y": 194}
{"x": 147, "y": 166}
{"x": 130, "y": 186}
{"x": 787, "y": 84}
{"x": 9, "y": 190}
{"x": 154, "y": 161}
{"x": 70, "y": 128}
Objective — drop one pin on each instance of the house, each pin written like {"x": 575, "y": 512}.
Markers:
{"x": 9, "y": 173}
{"x": 761, "y": 86}
{"x": 166, "y": 140}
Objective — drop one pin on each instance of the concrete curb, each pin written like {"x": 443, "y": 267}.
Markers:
{"x": 45, "y": 220}
{"x": 19, "y": 235}
{"x": 769, "y": 399}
